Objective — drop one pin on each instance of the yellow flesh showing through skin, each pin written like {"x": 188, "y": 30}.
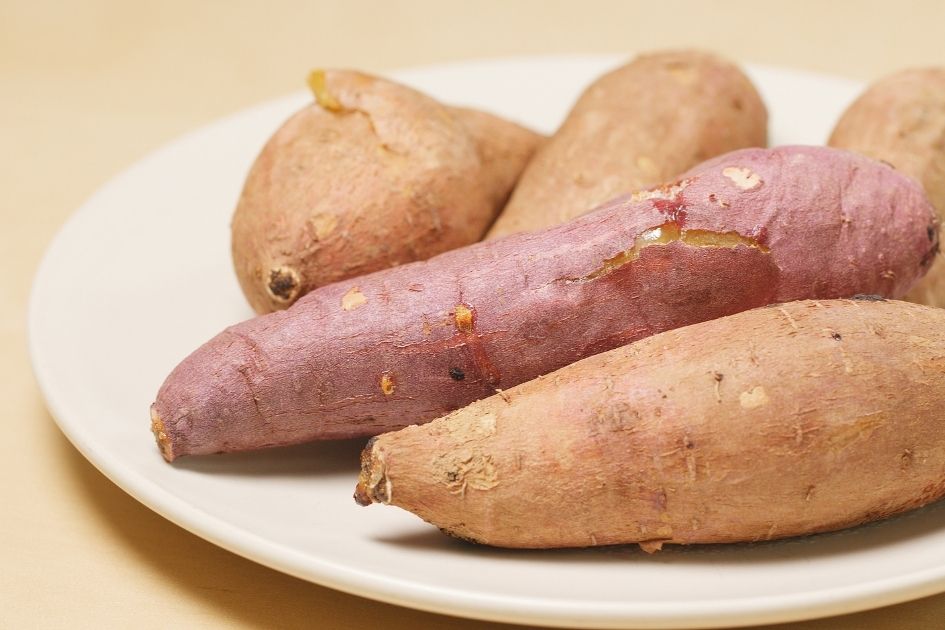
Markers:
{"x": 670, "y": 232}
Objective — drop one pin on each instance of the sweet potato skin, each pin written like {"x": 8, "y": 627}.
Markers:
{"x": 900, "y": 119}
{"x": 639, "y": 125}
{"x": 371, "y": 175}
{"x": 409, "y": 344}
{"x": 781, "y": 421}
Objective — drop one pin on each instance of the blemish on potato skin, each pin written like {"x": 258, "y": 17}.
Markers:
{"x": 743, "y": 178}
{"x": 353, "y": 299}
{"x": 284, "y": 283}
{"x": 387, "y": 383}
{"x": 457, "y": 374}
{"x": 753, "y": 398}
{"x": 323, "y": 225}
{"x": 906, "y": 459}
{"x": 717, "y": 378}
{"x": 463, "y": 317}
{"x": 665, "y": 192}
{"x": 670, "y": 232}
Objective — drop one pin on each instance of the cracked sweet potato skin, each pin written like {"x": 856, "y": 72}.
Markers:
{"x": 371, "y": 175}
{"x": 639, "y": 125}
{"x": 900, "y": 119}
{"x": 411, "y": 343}
{"x": 781, "y": 421}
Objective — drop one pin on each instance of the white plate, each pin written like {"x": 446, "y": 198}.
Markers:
{"x": 140, "y": 276}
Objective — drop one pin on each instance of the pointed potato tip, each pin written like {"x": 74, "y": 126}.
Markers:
{"x": 317, "y": 84}
{"x": 373, "y": 486}
{"x": 163, "y": 441}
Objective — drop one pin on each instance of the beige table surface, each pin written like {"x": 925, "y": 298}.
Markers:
{"x": 86, "y": 88}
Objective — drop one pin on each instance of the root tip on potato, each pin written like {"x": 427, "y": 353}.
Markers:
{"x": 324, "y": 98}
{"x": 373, "y": 484}
{"x": 163, "y": 441}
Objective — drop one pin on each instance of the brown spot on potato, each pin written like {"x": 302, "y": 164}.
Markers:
{"x": 463, "y": 317}
{"x": 284, "y": 284}
{"x": 457, "y": 374}
{"x": 353, "y": 299}
{"x": 387, "y": 383}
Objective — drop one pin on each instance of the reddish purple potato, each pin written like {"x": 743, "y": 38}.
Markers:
{"x": 412, "y": 343}
{"x": 900, "y": 120}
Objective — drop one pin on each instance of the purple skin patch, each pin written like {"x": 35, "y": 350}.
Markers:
{"x": 430, "y": 337}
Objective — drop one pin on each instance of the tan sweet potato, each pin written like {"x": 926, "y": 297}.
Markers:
{"x": 901, "y": 120}
{"x": 408, "y": 344}
{"x": 787, "y": 420}
{"x": 639, "y": 125}
{"x": 371, "y": 175}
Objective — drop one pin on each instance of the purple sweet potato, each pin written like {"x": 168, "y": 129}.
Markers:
{"x": 408, "y": 344}
{"x": 900, "y": 120}
{"x": 781, "y": 421}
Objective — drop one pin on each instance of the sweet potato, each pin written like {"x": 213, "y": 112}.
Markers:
{"x": 408, "y": 344}
{"x": 901, "y": 120}
{"x": 371, "y": 175}
{"x": 639, "y": 125}
{"x": 786, "y": 420}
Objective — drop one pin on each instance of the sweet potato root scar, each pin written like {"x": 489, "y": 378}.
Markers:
{"x": 163, "y": 442}
{"x": 742, "y": 177}
{"x": 664, "y": 234}
{"x": 753, "y": 398}
{"x": 387, "y": 383}
{"x": 353, "y": 299}
{"x": 324, "y": 98}
{"x": 284, "y": 284}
